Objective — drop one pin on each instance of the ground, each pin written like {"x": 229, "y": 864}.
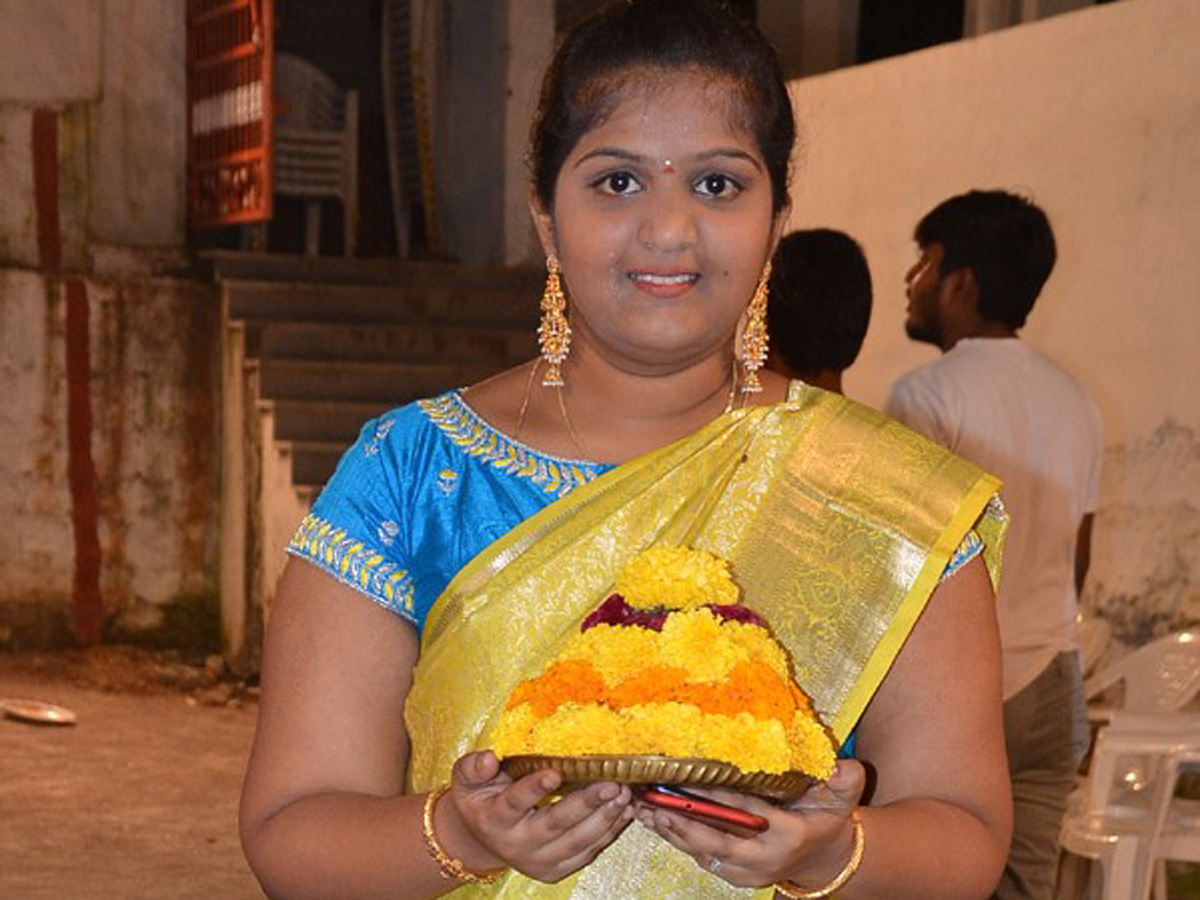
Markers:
{"x": 138, "y": 799}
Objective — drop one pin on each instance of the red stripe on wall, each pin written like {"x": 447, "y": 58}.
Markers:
{"x": 45, "y": 187}
{"x": 87, "y": 604}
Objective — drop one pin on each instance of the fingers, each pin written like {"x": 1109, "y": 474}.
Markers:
{"x": 842, "y": 791}
{"x": 544, "y": 840}
{"x": 524, "y": 795}
{"x": 580, "y": 840}
{"x": 476, "y": 769}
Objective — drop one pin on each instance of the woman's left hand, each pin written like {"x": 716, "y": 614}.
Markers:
{"x": 809, "y": 839}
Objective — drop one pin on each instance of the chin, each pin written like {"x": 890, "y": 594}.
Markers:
{"x": 922, "y": 334}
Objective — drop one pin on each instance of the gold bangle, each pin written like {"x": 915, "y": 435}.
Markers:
{"x": 793, "y": 890}
{"x": 450, "y": 867}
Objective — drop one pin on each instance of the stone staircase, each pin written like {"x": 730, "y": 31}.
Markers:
{"x": 312, "y": 349}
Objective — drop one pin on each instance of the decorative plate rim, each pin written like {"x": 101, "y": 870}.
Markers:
{"x": 651, "y": 769}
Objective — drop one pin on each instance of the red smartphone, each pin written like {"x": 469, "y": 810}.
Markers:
{"x": 710, "y": 812}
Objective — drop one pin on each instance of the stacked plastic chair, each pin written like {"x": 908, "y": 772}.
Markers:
{"x": 1126, "y": 815}
{"x": 316, "y": 146}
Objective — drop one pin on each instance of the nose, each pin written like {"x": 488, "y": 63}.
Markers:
{"x": 668, "y": 223}
{"x": 911, "y": 274}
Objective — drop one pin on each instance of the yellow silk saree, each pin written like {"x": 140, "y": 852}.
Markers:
{"x": 838, "y": 523}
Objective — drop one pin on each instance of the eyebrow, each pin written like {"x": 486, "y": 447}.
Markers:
{"x": 628, "y": 156}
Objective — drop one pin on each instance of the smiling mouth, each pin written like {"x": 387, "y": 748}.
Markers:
{"x": 664, "y": 280}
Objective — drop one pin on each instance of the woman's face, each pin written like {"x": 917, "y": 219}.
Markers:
{"x": 662, "y": 222}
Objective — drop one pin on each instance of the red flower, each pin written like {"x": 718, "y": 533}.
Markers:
{"x": 615, "y": 611}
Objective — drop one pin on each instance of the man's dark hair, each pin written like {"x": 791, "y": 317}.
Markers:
{"x": 1004, "y": 239}
{"x": 820, "y": 300}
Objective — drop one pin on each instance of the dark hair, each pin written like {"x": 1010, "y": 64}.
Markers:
{"x": 1004, "y": 239}
{"x": 820, "y": 300}
{"x": 579, "y": 88}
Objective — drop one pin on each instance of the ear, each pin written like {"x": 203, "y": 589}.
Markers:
{"x": 961, "y": 289}
{"x": 543, "y": 221}
{"x": 779, "y": 226}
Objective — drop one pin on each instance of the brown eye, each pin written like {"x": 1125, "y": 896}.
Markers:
{"x": 618, "y": 184}
{"x": 717, "y": 186}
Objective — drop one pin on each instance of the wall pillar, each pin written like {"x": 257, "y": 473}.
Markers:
{"x": 811, "y": 36}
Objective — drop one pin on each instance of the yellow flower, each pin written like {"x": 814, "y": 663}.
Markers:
{"x": 757, "y": 643}
{"x": 576, "y": 730}
{"x": 812, "y": 750}
{"x": 615, "y": 651}
{"x": 664, "y": 729}
{"x": 676, "y": 578}
{"x": 695, "y": 641}
{"x": 514, "y": 733}
{"x": 750, "y": 744}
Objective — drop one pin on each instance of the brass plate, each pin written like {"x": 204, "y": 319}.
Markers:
{"x": 661, "y": 770}
{"x": 37, "y": 712}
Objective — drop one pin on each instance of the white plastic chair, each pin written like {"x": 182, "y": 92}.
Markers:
{"x": 316, "y": 145}
{"x": 1177, "y": 836}
{"x": 1162, "y": 676}
{"x": 1125, "y": 816}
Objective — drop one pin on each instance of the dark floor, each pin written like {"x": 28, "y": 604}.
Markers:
{"x": 138, "y": 799}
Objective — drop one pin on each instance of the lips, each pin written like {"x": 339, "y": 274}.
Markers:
{"x": 663, "y": 284}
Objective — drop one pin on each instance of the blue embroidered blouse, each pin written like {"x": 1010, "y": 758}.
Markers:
{"x": 424, "y": 489}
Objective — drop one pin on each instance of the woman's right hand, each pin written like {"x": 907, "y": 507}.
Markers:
{"x": 488, "y": 821}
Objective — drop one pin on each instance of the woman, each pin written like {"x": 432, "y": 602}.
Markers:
{"x": 660, "y": 158}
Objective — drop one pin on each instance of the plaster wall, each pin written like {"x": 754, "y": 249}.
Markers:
{"x": 50, "y": 50}
{"x": 140, "y": 126}
{"x": 154, "y": 442}
{"x": 18, "y": 225}
{"x": 1096, "y": 115}
{"x": 114, "y": 71}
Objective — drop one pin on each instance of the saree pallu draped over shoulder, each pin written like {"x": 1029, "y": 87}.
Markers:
{"x": 838, "y": 523}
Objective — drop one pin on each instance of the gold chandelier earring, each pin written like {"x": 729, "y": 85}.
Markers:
{"x": 554, "y": 331}
{"x": 752, "y": 349}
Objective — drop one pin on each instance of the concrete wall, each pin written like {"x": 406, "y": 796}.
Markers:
{"x": 115, "y": 73}
{"x": 487, "y": 74}
{"x": 153, "y": 392}
{"x": 1096, "y": 114}
{"x": 109, "y": 433}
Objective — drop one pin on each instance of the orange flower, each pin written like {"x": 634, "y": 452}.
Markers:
{"x": 656, "y": 684}
{"x": 570, "y": 680}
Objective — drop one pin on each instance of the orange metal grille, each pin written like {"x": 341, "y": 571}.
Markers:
{"x": 229, "y": 56}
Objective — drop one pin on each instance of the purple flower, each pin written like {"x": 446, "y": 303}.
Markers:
{"x": 615, "y": 611}
{"x": 737, "y": 613}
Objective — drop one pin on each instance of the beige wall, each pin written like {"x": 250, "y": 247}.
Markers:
{"x": 1096, "y": 114}
{"x": 154, "y": 385}
{"x": 115, "y": 73}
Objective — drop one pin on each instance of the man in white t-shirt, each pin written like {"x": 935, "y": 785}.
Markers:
{"x": 991, "y": 398}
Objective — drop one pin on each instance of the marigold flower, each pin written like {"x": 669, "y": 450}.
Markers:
{"x": 676, "y": 578}
{"x": 712, "y": 683}
{"x": 616, "y": 652}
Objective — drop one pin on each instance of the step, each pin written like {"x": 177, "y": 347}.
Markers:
{"x": 322, "y": 420}
{"x": 229, "y": 265}
{"x": 507, "y": 345}
{"x": 369, "y": 304}
{"x": 313, "y": 462}
{"x": 364, "y": 382}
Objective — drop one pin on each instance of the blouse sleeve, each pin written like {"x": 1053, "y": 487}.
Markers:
{"x": 971, "y": 547}
{"x": 356, "y": 531}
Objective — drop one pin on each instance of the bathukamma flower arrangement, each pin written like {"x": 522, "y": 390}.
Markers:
{"x": 670, "y": 666}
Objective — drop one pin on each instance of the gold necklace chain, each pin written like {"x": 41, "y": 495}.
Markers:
{"x": 566, "y": 416}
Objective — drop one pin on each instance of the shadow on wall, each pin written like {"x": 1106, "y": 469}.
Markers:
{"x": 1145, "y": 575}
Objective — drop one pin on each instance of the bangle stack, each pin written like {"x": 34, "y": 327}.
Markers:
{"x": 450, "y": 867}
{"x": 794, "y": 891}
